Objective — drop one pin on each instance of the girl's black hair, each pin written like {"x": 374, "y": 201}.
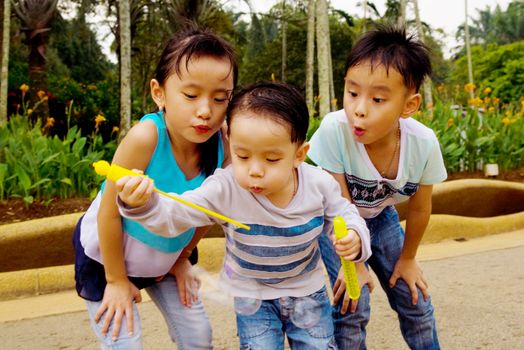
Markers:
{"x": 392, "y": 47}
{"x": 181, "y": 49}
{"x": 280, "y": 102}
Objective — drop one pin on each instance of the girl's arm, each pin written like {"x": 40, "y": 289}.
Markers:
{"x": 134, "y": 152}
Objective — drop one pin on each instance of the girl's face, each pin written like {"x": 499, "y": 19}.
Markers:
{"x": 263, "y": 156}
{"x": 195, "y": 102}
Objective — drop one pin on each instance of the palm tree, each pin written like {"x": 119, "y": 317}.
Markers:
{"x": 468, "y": 50}
{"x": 284, "y": 41}
{"x": 428, "y": 97}
{"x": 124, "y": 25}
{"x": 310, "y": 53}
{"x": 5, "y": 60}
{"x": 183, "y": 13}
{"x": 36, "y": 16}
{"x": 323, "y": 54}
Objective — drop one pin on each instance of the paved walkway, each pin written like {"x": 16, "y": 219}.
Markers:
{"x": 476, "y": 287}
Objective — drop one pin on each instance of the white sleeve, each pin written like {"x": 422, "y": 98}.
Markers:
{"x": 336, "y": 205}
{"x": 434, "y": 170}
{"x": 325, "y": 149}
{"x": 167, "y": 217}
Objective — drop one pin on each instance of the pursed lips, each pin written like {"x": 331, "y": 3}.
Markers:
{"x": 202, "y": 129}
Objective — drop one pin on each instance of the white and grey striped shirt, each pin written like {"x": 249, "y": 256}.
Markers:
{"x": 279, "y": 255}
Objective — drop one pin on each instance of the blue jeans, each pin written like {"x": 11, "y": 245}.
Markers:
{"x": 267, "y": 327}
{"x": 417, "y": 322}
{"x": 189, "y": 328}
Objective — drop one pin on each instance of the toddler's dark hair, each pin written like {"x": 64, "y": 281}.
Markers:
{"x": 392, "y": 47}
{"x": 180, "y": 49}
{"x": 281, "y": 102}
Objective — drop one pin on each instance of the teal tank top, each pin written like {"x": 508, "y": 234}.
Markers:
{"x": 168, "y": 177}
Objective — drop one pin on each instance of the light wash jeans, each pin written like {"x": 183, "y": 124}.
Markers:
{"x": 417, "y": 322}
{"x": 267, "y": 327}
{"x": 189, "y": 328}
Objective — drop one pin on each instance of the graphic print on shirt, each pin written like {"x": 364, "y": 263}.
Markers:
{"x": 372, "y": 193}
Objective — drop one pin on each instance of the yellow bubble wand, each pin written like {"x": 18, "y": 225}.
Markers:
{"x": 114, "y": 172}
{"x": 350, "y": 271}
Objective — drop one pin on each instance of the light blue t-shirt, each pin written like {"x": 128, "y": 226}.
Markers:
{"x": 334, "y": 148}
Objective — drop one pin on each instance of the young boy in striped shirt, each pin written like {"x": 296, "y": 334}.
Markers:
{"x": 274, "y": 270}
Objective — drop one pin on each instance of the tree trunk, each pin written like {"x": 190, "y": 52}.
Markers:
{"x": 5, "y": 60}
{"x": 284, "y": 42}
{"x": 428, "y": 96}
{"x": 365, "y": 19}
{"x": 468, "y": 50}
{"x": 124, "y": 21}
{"x": 332, "y": 102}
{"x": 401, "y": 22}
{"x": 310, "y": 54}
{"x": 323, "y": 57}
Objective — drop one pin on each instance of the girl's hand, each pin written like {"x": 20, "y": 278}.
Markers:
{"x": 117, "y": 303}
{"x": 186, "y": 280}
{"x": 363, "y": 276}
{"x": 349, "y": 246}
{"x": 409, "y": 270}
{"x": 134, "y": 191}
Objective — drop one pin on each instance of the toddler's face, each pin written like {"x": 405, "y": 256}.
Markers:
{"x": 263, "y": 156}
{"x": 374, "y": 100}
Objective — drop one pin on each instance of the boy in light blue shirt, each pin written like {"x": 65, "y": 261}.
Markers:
{"x": 380, "y": 156}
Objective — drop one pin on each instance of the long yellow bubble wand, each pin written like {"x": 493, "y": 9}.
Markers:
{"x": 114, "y": 172}
{"x": 350, "y": 271}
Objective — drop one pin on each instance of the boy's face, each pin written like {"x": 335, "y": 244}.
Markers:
{"x": 374, "y": 100}
{"x": 263, "y": 156}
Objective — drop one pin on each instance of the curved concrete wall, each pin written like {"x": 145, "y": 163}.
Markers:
{"x": 462, "y": 209}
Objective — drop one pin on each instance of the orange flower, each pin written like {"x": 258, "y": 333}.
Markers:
{"x": 450, "y": 123}
{"x": 469, "y": 87}
{"x": 99, "y": 119}
{"x": 41, "y": 94}
{"x": 24, "y": 88}
{"x": 50, "y": 122}
{"x": 475, "y": 102}
{"x": 487, "y": 90}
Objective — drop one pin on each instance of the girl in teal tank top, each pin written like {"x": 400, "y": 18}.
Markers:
{"x": 178, "y": 147}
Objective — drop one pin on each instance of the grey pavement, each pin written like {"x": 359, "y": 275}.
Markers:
{"x": 476, "y": 288}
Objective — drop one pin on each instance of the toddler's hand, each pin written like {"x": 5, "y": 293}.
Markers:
{"x": 134, "y": 191}
{"x": 349, "y": 247}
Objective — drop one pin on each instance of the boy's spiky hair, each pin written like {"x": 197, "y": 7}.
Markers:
{"x": 390, "y": 46}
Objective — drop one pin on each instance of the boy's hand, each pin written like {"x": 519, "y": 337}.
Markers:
{"x": 410, "y": 271}
{"x": 348, "y": 247}
{"x": 187, "y": 281}
{"x": 134, "y": 191}
{"x": 363, "y": 276}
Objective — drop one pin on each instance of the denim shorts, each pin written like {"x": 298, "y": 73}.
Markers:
{"x": 268, "y": 326}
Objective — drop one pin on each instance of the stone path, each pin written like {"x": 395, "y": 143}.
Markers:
{"x": 476, "y": 288}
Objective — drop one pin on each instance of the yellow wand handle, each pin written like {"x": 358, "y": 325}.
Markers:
{"x": 114, "y": 172}
{"x": 350, "y": 271}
